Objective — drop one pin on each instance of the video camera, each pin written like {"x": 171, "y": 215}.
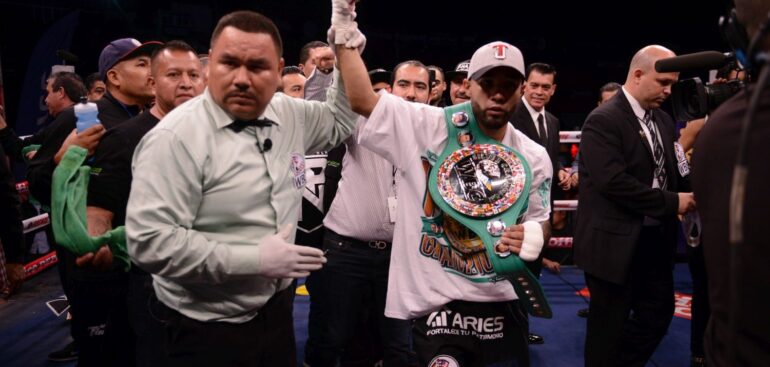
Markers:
{"x": 692, "y": 99}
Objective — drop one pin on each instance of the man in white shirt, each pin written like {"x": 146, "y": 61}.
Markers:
{"x": 359, "y": 233}
{"x": 433, "y": 280}
{"x": 216, "y": 190}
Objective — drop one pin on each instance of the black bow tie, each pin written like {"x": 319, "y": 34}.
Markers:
{"x": 239, "y": 125}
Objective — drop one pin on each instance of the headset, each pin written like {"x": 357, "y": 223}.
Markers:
{"x": 745, "y": 48}
{"x": 753, "y": 60}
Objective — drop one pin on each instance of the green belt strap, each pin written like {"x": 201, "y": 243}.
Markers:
{"x": 68, "y": 210}
{"x": 512, "y": 268}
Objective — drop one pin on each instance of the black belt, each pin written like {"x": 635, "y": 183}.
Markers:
{"x": 343, "y": 241}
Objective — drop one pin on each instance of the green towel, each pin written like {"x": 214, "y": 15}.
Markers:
{"x": 68, "y": 207}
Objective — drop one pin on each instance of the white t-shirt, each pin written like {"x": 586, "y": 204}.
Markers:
{"x": 408, "y": 134}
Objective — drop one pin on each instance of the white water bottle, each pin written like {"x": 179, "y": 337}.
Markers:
{"x": 86, "y": 113}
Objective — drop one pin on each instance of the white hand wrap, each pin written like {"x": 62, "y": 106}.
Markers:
{"x": 343, "y": 20}
{"x": 533, "y": 241}
{"x": 353, "y": 39}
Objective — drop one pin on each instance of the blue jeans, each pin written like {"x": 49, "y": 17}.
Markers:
{"x": 352, "y": 273}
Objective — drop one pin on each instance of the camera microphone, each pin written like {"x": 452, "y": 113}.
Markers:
{"x": 699, "y": 61}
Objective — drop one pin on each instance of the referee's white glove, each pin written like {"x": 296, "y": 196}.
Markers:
{"x": 281, "y": 259}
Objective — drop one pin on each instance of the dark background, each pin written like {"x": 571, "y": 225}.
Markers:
{"x": 589, "y": 42}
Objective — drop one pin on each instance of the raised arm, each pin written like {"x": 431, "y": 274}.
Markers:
{"x": 357, "y": 84}
{"x": 349, "y": 42}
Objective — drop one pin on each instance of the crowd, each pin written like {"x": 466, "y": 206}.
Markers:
{"x": 416, "y": 204}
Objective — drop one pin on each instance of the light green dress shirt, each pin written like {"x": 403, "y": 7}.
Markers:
{"x": 203, "y": 197}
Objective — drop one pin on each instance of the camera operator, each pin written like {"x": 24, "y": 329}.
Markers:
{"x": 738, "y": 332}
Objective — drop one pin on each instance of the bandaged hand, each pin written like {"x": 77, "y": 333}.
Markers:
{"x": 281, "y": 259}
{"x": 343, "y": 14}
{"x": 354, "y": 39}
{"x": 524, "y": 239}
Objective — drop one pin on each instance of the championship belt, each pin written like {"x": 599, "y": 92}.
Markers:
{"x": 482, "y": 187}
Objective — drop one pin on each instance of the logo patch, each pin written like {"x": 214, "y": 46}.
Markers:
{"x": 447, "y": 322}
{"x": 684, "y": 167}
{"x": 444, "y": 360}
{"x": 545, "y": 193}
{"x": 97, "y": 330}
{"x": 297, "y": 168}
{"x": 500, "y": 51}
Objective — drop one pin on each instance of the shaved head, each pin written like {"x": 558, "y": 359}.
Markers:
{"x": 647, "y": 86}
{"x": 645, "y": 58}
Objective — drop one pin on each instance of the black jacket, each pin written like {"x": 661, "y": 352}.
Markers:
{"x": 714, "y": 157}
{"x": 616, "y": 172}
{"x": 11, "y": 233}
{"x": 523, "y": 122}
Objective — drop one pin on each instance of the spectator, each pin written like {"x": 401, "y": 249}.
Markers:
{"x": 438, "y": 86}
{"x": 124, "y": 64}
{"x": 457, "y": 89}
{"x": 359, "y": 234}
{"x": 96, "y": 87}
{"x": 63, "y": 89}
{"x": 177, "y": 77}
{"x": 380, "y": 79}
{"x": 316, "y": 54}
{"x": 11, "y": 233}
{"x": 293, "y": 82}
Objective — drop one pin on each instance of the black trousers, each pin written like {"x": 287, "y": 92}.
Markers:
{"x": 145, "y": 315}
{"x": 100, "y": 322}
{"x": 627, "y": 321}
{"x": 701, "y": 309}
{"x": 351, "y": 275}
{"x": 265, "y": 340}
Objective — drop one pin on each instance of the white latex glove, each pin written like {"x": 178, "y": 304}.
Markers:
{"x": 280, "y": 259}
{"x": 356, "y": 39}
{"x": 343, "y": 19}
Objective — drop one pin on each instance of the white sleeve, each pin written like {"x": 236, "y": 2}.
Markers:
{"x": 399, "y": 130}
{"x": 540, "y": 192}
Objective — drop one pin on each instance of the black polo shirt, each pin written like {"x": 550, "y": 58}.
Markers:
{"x": 41, "y": 167}
{"x": 110, "y": 181}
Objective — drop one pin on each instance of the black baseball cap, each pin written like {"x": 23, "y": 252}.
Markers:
{"x": 123, "y": 49}
{"x": 379, "y": 75}
{"x": 460, "y": 69}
